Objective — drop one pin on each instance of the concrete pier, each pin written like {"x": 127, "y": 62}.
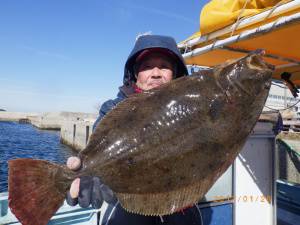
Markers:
{"x": 75, "y": 127}
{"x": 55, "y": 120}
{"x": 15, "y": 116}
{"x": 47, "y": 120}
{"x": 76, "y": 133}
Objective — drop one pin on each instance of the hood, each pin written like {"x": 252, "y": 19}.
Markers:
{"x": 153, "y": 41}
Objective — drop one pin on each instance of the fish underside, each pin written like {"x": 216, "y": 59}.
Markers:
{"x": 159, "y": 151}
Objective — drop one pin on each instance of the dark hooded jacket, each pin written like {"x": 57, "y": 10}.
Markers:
{"x": 115, "y": 214}
{"x": 143, "y": 42}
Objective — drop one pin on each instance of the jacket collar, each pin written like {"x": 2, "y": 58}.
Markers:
{"x": 127, "y": 90}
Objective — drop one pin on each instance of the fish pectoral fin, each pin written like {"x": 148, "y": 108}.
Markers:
{"x": 34, "y": 195}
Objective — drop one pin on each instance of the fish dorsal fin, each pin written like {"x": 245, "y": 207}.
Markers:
{"x": 158, "y": 204}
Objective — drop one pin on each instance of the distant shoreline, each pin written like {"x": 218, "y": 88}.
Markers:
{"x": 15, "y": 116}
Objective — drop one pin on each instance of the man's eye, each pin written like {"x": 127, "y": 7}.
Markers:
{"x": 166, "y": 67}
{"x": 145, "y": 67}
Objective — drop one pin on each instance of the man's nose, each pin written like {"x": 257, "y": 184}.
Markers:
{"x": 156, "y": 73}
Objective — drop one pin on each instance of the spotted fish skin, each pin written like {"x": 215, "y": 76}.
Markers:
{"x": 182, "y": 133}
{"x": 160, "y": 150}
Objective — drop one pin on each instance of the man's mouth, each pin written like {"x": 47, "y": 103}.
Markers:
{"x": 156, "y": 83}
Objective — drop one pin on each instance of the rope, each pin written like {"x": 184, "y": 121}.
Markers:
{"x": 278, "y": 85}
{"x": 161, "y": 219}
{"x": 238, "y": 21}
{"x": 278, "y": 110}
{"x": 275, "y": 7}
{"x": 200, "y": 214}
{"x": 111, "y": 213}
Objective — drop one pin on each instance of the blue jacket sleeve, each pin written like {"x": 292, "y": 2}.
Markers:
{"x": 106, "y": 107}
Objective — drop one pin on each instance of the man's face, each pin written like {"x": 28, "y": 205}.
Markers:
{"x": 156, "y": 69}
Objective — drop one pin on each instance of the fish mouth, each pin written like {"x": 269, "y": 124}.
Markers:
{"x": 256, "y": 61}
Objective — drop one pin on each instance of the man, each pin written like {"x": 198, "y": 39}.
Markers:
{"x": 154, "y": 60}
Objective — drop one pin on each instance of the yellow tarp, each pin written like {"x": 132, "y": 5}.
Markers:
{"x": 282, "y": 42}
{"x": 220, "y": 13}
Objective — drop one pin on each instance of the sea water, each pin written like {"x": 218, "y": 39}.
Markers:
{"x": 25, "y": 141}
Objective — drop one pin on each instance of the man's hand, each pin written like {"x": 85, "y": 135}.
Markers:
{"x": 74, "y": 163}
{"x": 87, "y": 190}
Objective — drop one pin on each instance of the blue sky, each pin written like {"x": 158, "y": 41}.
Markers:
{"x": 69, "y": 55}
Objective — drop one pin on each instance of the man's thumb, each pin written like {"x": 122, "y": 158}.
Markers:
{"x": 73, "y": 163}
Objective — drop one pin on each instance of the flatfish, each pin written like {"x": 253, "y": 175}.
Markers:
{"x": 160, "y": 150}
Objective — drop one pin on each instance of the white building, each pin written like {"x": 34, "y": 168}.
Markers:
{"x": 280, "y": 98}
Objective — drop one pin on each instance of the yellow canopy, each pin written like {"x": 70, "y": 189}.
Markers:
{"x": 220, "y": 13}
{"x": 229, "y": 29}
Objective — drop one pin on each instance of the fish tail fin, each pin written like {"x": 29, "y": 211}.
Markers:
{"x": 37, "y": 189}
